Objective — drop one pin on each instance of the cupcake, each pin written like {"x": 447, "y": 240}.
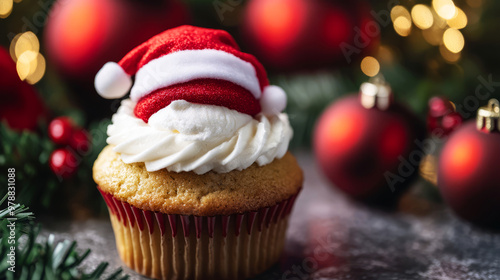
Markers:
{"x": 197, "y": 177}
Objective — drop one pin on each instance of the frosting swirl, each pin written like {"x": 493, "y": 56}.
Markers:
{"x": 186, "y": 136}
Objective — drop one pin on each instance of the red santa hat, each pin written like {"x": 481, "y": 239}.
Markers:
{"x": 196, "y": 64}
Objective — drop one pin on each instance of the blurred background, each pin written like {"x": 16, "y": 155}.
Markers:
{"x": 54, "y": 123}
{"x": 316, "y": 50}
{"x": 440, "y": 57}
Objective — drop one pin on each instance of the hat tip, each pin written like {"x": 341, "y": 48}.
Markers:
{"x": 112, "y": 81}
{"x": 273, "y": 100}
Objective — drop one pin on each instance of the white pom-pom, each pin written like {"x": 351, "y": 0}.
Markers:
{"x": 273, "y": 100}
{"x": 112, "y": 81}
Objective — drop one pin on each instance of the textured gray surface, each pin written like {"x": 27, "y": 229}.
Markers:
{"x": 332, "y": 237}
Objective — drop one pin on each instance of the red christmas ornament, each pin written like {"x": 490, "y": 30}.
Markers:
{"x": 368, "y": 145}
{"x": 309, "y": 33}
{"x": 63, "y": 163}
{"x": 469, "y": 173}
{"x": 442, "y": 118}
{"x": 20, "y": 105}
{"x": 81, "y": 35}
{"x": 61, "y": 130}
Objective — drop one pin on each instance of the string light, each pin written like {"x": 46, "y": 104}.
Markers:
{"x": 12, "y": 48}
{"x": 402, "y": 25}
{"x": 370, "y": 66}
{"x": 401, "y": 20}
{"x": 399, "y": 11}
{"x": 5, "y": 8}
{"x": 433, "y": 35}
{"x": 449, "y": 56}
{"x": 458, "y": 21}
{"x": 26, "y": 42}
{"x": 25, "y": 51}
{"x": 422, "y": 16}
{"x": 39, "y": 71}
{"x": 26, "y": 64}
{"x": 444, "y": 8}
{"x": 439, "y": 23}
{"x": 453, "y": 40}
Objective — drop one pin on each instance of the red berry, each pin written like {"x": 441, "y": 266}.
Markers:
{"x": 79, "y": 141}
{"x": 450, "y": 122}
{"x": 63, "y": 163}
{"x": 440, "y": 106}
{"x": 60, "y": 130}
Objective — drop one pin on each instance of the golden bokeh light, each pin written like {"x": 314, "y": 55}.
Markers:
{"x": 475, "y": 3}
{"x": 459, "y": 21}
{"x": 444, "y": 8}
{"x": 5, "y": 8}
{"x": 12, "y": 47}
{"x": 422, "y": 16}
{"x": 370, "y": 66}
{"x": 401, "y": 20}
{"x": 26, "y": 42}
{"x": 385, "y": 54}
{"x": 449, "y": 56}
{"x": 25, "y": 51}
{"x": 402, "y": 25}
{"x": 26, "y": 64}
{"x": 399, "y": 11}
{"x": 453, "y": 40}
{"x": 433, "y": 35}
{"x": 38, "y": 72}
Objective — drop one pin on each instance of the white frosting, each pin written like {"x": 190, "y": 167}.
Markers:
{"x": 193, "y": 137}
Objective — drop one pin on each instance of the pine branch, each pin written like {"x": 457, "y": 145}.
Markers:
{"x": 18, "y": 213}
{"x": 41, "y": 260}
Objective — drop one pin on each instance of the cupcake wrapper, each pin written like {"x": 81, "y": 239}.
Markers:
{"x": 164, "y": 246}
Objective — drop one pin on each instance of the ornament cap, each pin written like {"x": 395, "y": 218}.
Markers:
{"x": 376, "y": 93}
{"x": 488, "y": 117}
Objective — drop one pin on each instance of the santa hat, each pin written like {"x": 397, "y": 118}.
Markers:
{"x": 196, "y": 64}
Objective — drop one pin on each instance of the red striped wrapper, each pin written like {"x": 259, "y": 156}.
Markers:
{"x": 171, "y": 246}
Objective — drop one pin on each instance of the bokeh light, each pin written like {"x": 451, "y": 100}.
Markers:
{"x": 475, "y": 3}
{"x": 458, "y": 21}
{"x": 401, "y": 20}
{"x": 12, "y": 47}
{"x": 433, "y": 35}
{"x": 422, "y": 16}
{"x": 26, "y": 64}
{"x": 385, "y": 54}
{"x": 399, "y": 11}
{"x": 402, "y": 25}
{"x": 38, "y": 72}
{"x": 370, "y": 66}
{"x": 448, "y": 55}
{"x": 453, "y": 40}
{"x": 25, "y": 51}
{"x": 444, "y": 8}
{"x": 5, "y": 8}
{"x": 26, "y": 42}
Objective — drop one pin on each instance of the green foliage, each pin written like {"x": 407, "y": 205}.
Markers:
{"x": 36, "y": 185}
{"x": 29, "y": 154}
{"x": 44, "y": 260}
